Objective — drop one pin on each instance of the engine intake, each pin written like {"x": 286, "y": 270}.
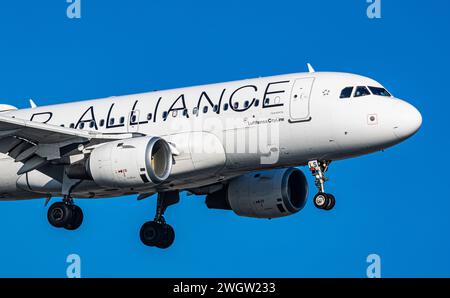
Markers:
{"x": 268, "y": 194}
{"x": 126, "y": 163}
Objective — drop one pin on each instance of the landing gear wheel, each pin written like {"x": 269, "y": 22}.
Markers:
{"x": 331, "y": 202}
{"x": 324, "y": 201}
{"x": 59, "y": 214}
{"x": 150, "y": 233}
{"x": 160, "y": 235}
{"x": 76, "y": 220}
{"x": 168, "y": 236}
{"x": 320, "y": 200}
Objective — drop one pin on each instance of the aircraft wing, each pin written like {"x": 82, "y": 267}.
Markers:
{"x": 36, "y": 144}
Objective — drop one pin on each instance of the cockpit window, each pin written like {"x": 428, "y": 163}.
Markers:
{"x": 361, "y": 91}
{"x": 346, "y": 92}
{"x": 379, "y": 91}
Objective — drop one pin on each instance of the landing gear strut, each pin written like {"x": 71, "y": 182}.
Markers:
{"x": 157, "y": 232}
{"x": 65, "y": 215}
{"x": 322, "y": 200}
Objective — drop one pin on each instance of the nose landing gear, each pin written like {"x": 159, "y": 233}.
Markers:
{"x": 157, "y": 232}
{"x": 321, "y": 200}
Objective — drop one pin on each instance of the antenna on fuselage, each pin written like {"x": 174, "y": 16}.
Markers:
{"x": 32, "y": 104}
{"x": 310, "y": 68}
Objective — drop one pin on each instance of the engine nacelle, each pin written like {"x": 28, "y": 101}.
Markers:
{"x": 130, "y": 163}
{"x": 267, "y": 194}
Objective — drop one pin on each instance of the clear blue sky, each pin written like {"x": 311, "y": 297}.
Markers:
{"x": 395, "y": 204}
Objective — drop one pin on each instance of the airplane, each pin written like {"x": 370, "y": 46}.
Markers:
{"x": 240, "y": 144}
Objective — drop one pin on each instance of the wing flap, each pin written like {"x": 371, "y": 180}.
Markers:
{"x": 22, "y": 146}
{"x": 8, "y": 143}
{"x": 32, "y": 164}
{"x": 27, "y": 153}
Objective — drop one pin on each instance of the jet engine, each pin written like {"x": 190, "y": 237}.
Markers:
{"x": 267, "y": 194}
{"x": 126, "y": 163}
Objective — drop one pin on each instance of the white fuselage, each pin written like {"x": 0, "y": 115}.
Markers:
{"x": 224, "y": 130}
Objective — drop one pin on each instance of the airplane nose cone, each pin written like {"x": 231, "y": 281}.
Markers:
{"x": 407, "y": 120}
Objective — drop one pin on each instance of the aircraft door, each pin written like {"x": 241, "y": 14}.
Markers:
{"x": 300, "y": 99}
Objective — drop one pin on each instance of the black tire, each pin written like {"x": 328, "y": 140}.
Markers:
{"x": 167, "y": 237}
{"x": 320, "y": 200}
{"x": 331, "y": 202}
{"x": 151, "y": 233}
{"x": 59, "y": 214}
{"x": 76, "y": 220}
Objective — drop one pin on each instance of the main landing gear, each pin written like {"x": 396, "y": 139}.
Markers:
{"x": 65, "y": 215}
{"x": 157, "y": 232}
{"x": 322, "y": 200}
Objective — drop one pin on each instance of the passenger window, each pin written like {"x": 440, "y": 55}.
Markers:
{"x": 215, "y": 108}
{"x": 164, "y": 115}
{"x": 111, "y": 121}
{"x": 246, "y": 104}
{"x": 256, "y": 102}
{"x": 122, "y": 120}
{"x": 205, "y": 109}
{"x": 236, "y": 105}
{"x": 185, "y": 111}
{"x": 81, "y": 125}
{"x": 102, "y": 122}
{"x": 346, "y": 92}
{"x": 225, "y": 106}
{"x": 149, "y": 116}
{"x": 195, "y": 111}
{"x": 91, "y": 124}
{"x": 72, "y": 125}
{"x": 361, "y": 91}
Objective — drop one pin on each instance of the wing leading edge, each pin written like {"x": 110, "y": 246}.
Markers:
{"x": 35, "y": 144}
